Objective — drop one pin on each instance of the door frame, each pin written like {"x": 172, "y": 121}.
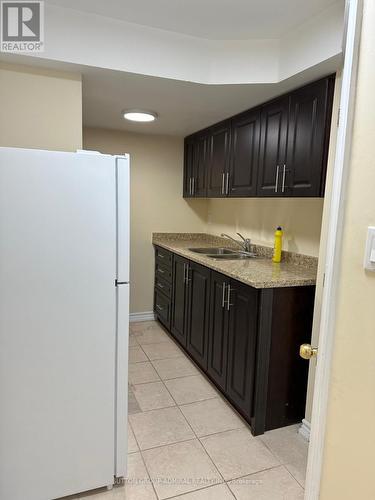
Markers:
{"x": 351, "y": 40}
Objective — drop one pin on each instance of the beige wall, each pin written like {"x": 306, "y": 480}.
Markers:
{"x": 156, "y": 199}
{"x": 349, "y": 453}
{"x": 258, "y": 218}
{"x": 40, "y": 108}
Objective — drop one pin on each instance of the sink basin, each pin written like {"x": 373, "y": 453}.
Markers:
{"x": 223, "y": 253}
{"x": 213, "y": 251}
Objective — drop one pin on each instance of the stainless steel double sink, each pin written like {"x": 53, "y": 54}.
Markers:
{"x": 223, "y": 253}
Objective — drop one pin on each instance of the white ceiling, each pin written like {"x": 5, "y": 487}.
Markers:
{"x": 210, "y": 19}
{"x": 183, "y": 107}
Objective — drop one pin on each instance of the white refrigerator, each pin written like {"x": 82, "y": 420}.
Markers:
{"x": 64, "y": 315}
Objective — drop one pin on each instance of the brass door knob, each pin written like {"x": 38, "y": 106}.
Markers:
{"x": 306, "y": 351}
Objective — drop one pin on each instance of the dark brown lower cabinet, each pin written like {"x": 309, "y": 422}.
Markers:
{"x": 218, "y": 331}
{"x": 242, "y": 337}
{"x": 197, "y": 313}
{"x": 232, "y": 340}
{"x": 190, "y": 308}
{"x": 246, "y": 340}
{"x": 179, "y": 299}
{"x": 285, "y": 322}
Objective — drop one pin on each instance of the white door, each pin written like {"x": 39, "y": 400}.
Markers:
{"x": 57, "y": 323}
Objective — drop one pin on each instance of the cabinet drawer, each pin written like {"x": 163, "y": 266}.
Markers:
{"x": 163, "y": 286}
{"x": 164, "y": 272}
{"x": 163, "y": 256}
{"x": 162, "y": 308}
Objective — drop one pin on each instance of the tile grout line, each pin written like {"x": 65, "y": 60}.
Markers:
{"x": 295, "y": 479}
{"x": 200, "y": 438}
{"x": 197, "y": 437}
{"x": 194, "y": 434}
{"x": 284, "y": 464}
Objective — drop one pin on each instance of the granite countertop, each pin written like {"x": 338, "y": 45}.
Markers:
{"x": 260, "y": 272}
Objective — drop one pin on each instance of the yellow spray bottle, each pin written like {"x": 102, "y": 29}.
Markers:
{"x": 278, "y": 245}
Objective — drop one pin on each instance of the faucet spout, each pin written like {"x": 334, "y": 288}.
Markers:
{"x": 245, "y": 244}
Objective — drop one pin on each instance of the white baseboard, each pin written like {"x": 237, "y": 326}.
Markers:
{"x": 304, "y": 430}
{"x": 142, "y": 316}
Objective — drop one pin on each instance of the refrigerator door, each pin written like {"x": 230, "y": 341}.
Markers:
{"x": 57, "y": 323}
{"x": 123, "y": 218}
{"x": 121, "y": 442}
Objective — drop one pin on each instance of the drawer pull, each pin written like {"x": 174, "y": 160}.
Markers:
{"x": 161, "y": 256}
{"x": 161, "y": 271}
{"x": 160, "y": 285}
{"x": 159, "y": 307}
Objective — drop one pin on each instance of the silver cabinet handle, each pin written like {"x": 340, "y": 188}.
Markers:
{"x": 193, "y": 186}
{"x": 222, "y": 183}
{"x": 277, "y": 178}
{"x": 223, "y": 296}
{"x": 227, "y": 185}
{"x": 161, "y": 271}
{"x": 160, "y": 285}
{"x": 187, "y": 274}
{"x": 283, "y": 185}
{"x": 228, "y": 299}
{"x": 190, "y": 186}
{"x": 159, "y": 307}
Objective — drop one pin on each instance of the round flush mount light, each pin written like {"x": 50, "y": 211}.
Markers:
{"x": 137, "y": 115}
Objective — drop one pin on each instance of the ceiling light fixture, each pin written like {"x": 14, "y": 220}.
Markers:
{"x": 137, "y": 115}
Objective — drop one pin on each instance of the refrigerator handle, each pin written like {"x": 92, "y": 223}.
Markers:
{"x": 123, "y": 217}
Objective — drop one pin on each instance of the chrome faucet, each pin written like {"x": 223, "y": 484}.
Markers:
{"x": 245, "y": 244}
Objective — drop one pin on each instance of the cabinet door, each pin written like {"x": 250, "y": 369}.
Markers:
{"x": 218, "y": 330}
{"x": 241, "y": 346}
{"x": 188, "y": 167}
{"x": 273, "y": 137}
{"x": 179, "y": 299}
{"x": 218, "y": 160}
{"x": 200, "y": 158}
{"x": 198, "y": 313}
{"x": 308, "y": 138}
{"x": 245, "y": 154}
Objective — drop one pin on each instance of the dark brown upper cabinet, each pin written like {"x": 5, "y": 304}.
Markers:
{"x": 278, "y": 149}
{"x": 245, "y": 154}
{"x": 188, "y": 167}
{"x": 195, "y": 173}
{"x": 218, "y": 161}
{"x": 308, "y": 137}
{"x": 274, "y": 133}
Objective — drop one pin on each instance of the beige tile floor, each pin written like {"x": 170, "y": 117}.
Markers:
{"x": 187, "y": 443}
